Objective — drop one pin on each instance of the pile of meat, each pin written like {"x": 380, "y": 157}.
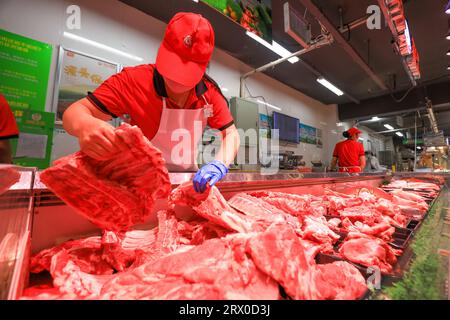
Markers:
{"x": 244, "y": 248}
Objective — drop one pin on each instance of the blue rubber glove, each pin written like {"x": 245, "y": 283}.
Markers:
{"x": 211, "y": 172}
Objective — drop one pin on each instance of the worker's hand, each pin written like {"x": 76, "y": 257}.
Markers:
{"x": 210, "y": 173}
{"x": 99, "y": 141}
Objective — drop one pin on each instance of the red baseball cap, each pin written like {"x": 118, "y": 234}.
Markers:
{"x": 186, "y": 49}
{"x": 353, "y": 131}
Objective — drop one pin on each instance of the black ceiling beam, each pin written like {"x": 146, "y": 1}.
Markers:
{"x": 317, "y": 13}
{"x": 438, "y": 93}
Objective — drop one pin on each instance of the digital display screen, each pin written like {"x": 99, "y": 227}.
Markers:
{"x": 288, "y": 127}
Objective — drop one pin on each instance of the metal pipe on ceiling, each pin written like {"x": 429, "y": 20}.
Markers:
{"x": 315, "y": 45}
{"x": 431, "y": 116}
{"x": 319, "y": 43}
{"x": 315, "y": 11}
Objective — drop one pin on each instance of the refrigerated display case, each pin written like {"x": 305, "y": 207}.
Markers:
{"x": 38, "y": 219}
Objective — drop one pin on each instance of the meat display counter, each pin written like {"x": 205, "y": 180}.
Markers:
{"x": 36, "y": 219}
{"x": 16, "y": 216}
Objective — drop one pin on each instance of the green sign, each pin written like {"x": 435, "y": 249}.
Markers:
{"x": 33, "y": 148}
{"x": 412, "y": 142}
{"x": 24, "y": 71}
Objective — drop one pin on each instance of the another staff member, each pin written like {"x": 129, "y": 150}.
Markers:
{"x": 349, "y": 154}
{"x": 8, "y": 130}
{"x": 175, "y": 93}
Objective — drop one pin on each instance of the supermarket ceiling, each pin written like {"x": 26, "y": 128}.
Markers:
{"x": 337, "y": 62}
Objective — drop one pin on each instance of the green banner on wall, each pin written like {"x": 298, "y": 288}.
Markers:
{"x": 33, "y": 148}
{"x": 24, "y": 71}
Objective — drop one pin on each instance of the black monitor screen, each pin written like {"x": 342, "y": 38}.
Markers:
{"x": 288, "y": 127}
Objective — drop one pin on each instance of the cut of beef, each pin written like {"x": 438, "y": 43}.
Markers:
{"x": 262, "y": 212}
{"x": 217, "y": 269}
{"x": 117, "y": 193}
{"x": 72, "y": 282}
{"x": 282, "y": 255}
{"x": 382, "y": 230}
{"x": 85, "y": 253}
{"x": 293, "y": 204}
{"x": 212, "y": 206}
{"x": 316, "y": 229}
{"x": 368, "y": 251}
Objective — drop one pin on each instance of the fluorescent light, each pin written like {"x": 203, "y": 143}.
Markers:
{"x": 269, "y": 105}
{"x": 330, "y": 86}
{"x": 388, "y": 126}
{"x": 224, "y": 89}
{"x": 361, "y": 139}
{"x": 419, "y": 148}
{"x": 101, "y": 46}
{"x": 448, "y": 52}
{"x": 195, "y": 1}
{"x": 399, "y": 134}
{"x": 275, "y": 47}
{"x": 283, "y": 52}
{"x": 375, "y": 119}
{"x": 447, "y": 8}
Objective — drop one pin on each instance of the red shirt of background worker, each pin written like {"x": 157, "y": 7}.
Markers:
{"x": 349, "y": 154}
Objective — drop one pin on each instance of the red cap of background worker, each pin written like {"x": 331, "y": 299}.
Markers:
{"x": 353, "y": 131}
{"x": 186, "y": 49}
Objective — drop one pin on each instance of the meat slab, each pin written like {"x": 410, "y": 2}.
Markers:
{"x": 216, "y": 269}
{"x": 369, "y": 251}
{"x": 117, "y": 193}
{"x": 282, "y": 255}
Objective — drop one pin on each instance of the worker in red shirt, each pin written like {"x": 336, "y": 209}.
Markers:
{"x": 349, "y": 154}
{"x": 166, "y": 100}
{"x": 8, "y": 130}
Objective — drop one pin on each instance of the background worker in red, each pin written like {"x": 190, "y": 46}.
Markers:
{"x": 349, "y": 154}
{"x": 8, "y": 130}
{"x": 175, "y": 93}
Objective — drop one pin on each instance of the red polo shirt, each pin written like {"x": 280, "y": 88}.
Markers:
{"x": 138, "y": 92}
{"x": 8, "y": 126}
{"x": 348, "y": 153}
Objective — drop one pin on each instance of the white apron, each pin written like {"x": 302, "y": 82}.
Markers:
{"x": 178, "y": 135}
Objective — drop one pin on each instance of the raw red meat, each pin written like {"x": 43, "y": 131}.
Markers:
{"x": 380, "y": 230}
{"x": 368, "y": 251}
{"x": 42, "y": 292}
{"x": 72, "y": 282}
{"x": 8, "y": 177}
{"x": 262, "y": 212}
{"x": 211, "y": 206}
{"x": 316, "y": 229}
{"x": 282, "y": 255}
{"x": 85, "y": 253}
{"x": 117, "y": 193}
{"x": 217, "y": 269}
{"x": 296, "y": 205}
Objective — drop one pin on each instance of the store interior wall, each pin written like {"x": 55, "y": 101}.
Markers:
{"x": 117, "y": 25}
